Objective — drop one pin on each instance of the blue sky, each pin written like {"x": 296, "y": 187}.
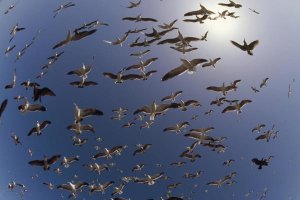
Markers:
{"x": 275, "y": 57}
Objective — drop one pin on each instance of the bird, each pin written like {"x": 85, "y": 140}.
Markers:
{"x": 81, "y": 113}
{"x": 202, "y": 130}
{"x": 231, "y": 4}
{"x": 262, "y": 162}
{"x": 264, "y": 83}
{"x": 16, "y": 139}
{"x": 28, "y": 84}
{"x": 139, "y": 18}
{"x": 172, "y": 96}
{"x": 77, "y": 36}
{"x": 97, "y": 167}
{"x": 72, "y": 187}
{"x": 81, "y": 72}
{"x": 13, "y": 84}
{"x": 182, "y": 105}
{"x": 3, "y": 107}
{"x": 186, "y": 66}
{"x": 118, "y": 190}
{"x": 9, "y": 49}
{"x": 14, "y": 31}
{"x": 224, "y": 89}
{"x": 46, "y": 163}
{"x": 258, "y": 128}
{"x": 218, "y": 101}
{"x": 183, "y": 49}
{"x": 138, "y": 167}
{"x": 177, "y": 127}
{"x": 118, "y": 41}
{"x": 101, "y": 187}
{"x": 202, "y": 11}
{"x": 66, "y": 161}
{"x": 90, "y": 25}
{"x": 140, "y": 54}
{"x": 246, "y": 47}
{"x": 109, "y": 153}
{"x": 39, "y": 127}
{"x": 83, "y": 83}
{"x": 49, "y": 185}
{"x": 141, "y": 148}
{"x": 200, "y": 137}
{"x": 134, "y": 5}
{"x": 158, "y": 35}
{"x": 198, "y": 19}
{"x": 79, "y": 128}
{"x": 61, "y": 7}
{"x": 142, "y": 65}
{"x": 211, "y": 62}
{"x": 168, "y": 26}
{"x": 178, "y": 164}
{"x": 120, "y": 78}
{"x": 183, "y": 41}
{"x": 78, "y": 141}
{"x": 149, "y": 180}
{"x": 31, "y": 107}
{"x": 237, "y": 107}
{"x": 188, "y": 154}
{"x": 228, "y": 162}
{"x": 155, "y": 109}
{"x": 38, "y": 93}
{"x": 254, "y": 11}
{"x": 254, "y": 89}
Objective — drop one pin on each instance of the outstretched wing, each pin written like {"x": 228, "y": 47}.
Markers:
{"x": 174, "y": 72}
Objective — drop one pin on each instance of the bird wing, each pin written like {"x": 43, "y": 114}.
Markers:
{"x": 192, "y": 102}
{"x": 174, "y": 72}
{"x": 214, "y": 88}
{"x": 36, "y": 162}
{"x": 91, "y": 111}
{"x": 53, "y": 159}
{"x": 253, "y": 44}
{"x": 157, "y": 176}
{"x": 131, "y": 77}
{"x": 64, "y": 186}
{"x": 83, "y": 34}
{"x": 244, "y": 102}
{"x": 129, "y": 18}
{"x": 33, "y": 130}
{"x": 196, "y": 62}
{"x": 78, "y": 185}
{"x": 170, "y": 40}
{"x": 261, "y": 137}
{"x": 36, "y": 108}
{"x": 229, "y": 109}
{"x": 148, "y": 19}
{"x": 190, "y": 20}
{"x": 45, "y": 124}
{"x": 110, "y": 75}
{"x": 164, "y": 107}
{"x": 78, "y": 72}
{"x": 238, "y": 45}
{"x": 115, "y": 149}
{"x": 196, "y": 12}
{"x": 3, "y": 106}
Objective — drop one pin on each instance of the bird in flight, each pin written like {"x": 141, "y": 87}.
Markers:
{"x": 246, "y": 47}
{"x": 237, "y": 107}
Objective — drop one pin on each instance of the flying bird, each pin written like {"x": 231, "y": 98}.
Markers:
{"x": 261, "y": 162}
{"x": 246, "y": 47}
{"x": 172, "y": 96}
{"x": 62, "y": 7}
{"x": 202, "y": 11}
{"x": 13, "y": 84}
{"x": 118, "y": 41}
{"x": 139, "y": 18}
{"x": 237, "y": 107}
{"x": 45, "y": 163}
{"x": 211, "y": 62}
{"x": 230, "y": 4}
{"x": 168, "y": 26}
{"x": 39, "y": 127}
{"x": 141, "y": 148}
{"x": 38, "y": 93}
{"x": 177, "y": 127}
{"x": 133, "y": 4}
{"x": 149, "y": 180}
{"x": 81, "y": 113}
{"x": 264, "y": 83}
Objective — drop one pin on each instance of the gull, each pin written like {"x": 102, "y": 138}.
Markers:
{"x": 9, "y": 49}
{"x": 198, "y": 19}
{"x": 38, "y": 93}
{"x": 289, "y": 91}
{"x": 231, "y": 4}
{"x": 232, "y": 14}
{"x": 174, "y": 185}
{"x": 97, "y": 167}
{"x": 178, "y": 164}
{"x": 133, "y": 4}
{"x": 28, "y": 84}
{"x": 264, "y": 83}
{"x": 72, "y": 187}
{"x": 149, "y": 180}
{"x": 202, "y": 130}
{"x": 224, "y": 89}
{"x": 182, "y": 105}
{"x": 120, "y": 110}
{"x": 118, "y": 190}
{"x": 254, "y": 11}
{"x": 190, "y": 155}
{"x": 61, "y": 7}
{"x": 218, "y": 101}
{"x": 209, "y": 112}
{"x": 158, "y": 35}
{"x": 186, "y": 66}
{"x": 81, "y": 72}
{"x": 200, "y": 137}
{"x": 79, "y": 128}
{"x": 14, "y": 31}
{"x": 101, "y": 187}
{"x": 66, "y": 161}
{"x": 39, "y": 127}
{"x": 120, "y": 78}
{"x": 119, "y": 116}
{"x": 172, "y": 96}
{"x": 136, "y": 30}
{"x": 18, "y": 98}
{"x": 77, "y": 36}
{"x": 246, "y": 47}
{"x": 262, "y": 162}
{"x": 145, "y": 43}
{"x": 237, "y": 107}
{"x": 45, "y": 162}
{"x": 140, "y": 54}
{"x": 183, "y": 49}
{"x": 202, "y": 11}
{"x": 177, "y": 127}
{"x": 223, "y": 14}
{"x": 128, "y": 125}
{"x": 90, "y": 25}
{"x": 168, "y": 26}
{"x": 138, "y": 167}
{"x": 254, "y": 89}
{"x": 268, "y": 134}
{"x": 193, "y": 175}
{"x": 118, "y": 41}
{"x": 78, "y": 141}
{"x": 211, "y": 62}
{"x": 204, "y": 37}
{"x": 155, "y": 109}
{"x": 49, "y": 185}
{"x": 10, "y": 8}
{"x": 13, "y": 84}
{"x": 12, "y": 185}
{"x": 179, "y": 38}
{"x": 55, "y": 56}
{"x": 109, "y": 153}
{"x": 142, "y": 65}
{"x": 258, "y": 128}
{"x": 31, "y": 107}
{"x": 139, "y": 18}
{"x": 57, "y": 170}
{"x": 83, "y": 83}
{"x": 81, "y": 113}
{"x": 43, "y": 73}
{"x": 16, "y": 139}
{"x": 141, "y": 148}
{"x": 228, "y": 162}
{"x": 147, "y": 124}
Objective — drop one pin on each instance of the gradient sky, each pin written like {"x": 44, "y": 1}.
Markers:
{"x": 276, "y": 57}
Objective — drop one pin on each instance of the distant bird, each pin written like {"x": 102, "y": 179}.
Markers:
{"x": 149, "y": 180}
{"x": 174, "y": 185}
{"x": 28, "y": 84}
{"x": 140, "y": 54}
{"x": 139, "y": 18}
{"x": 80, "y": 113}
{"x": 9, "y": 49}
{"x": 237, "y": 107}
{"x": 118, "y": 41}
{"x": 246, "y": 47}
{"x": 147, "y": 124}
{"x": 183, "y": 49}
{"x": 188, "y": 154}
{"x": 203, "y": 11}
{"x": 77, "y": 36}
{"x": 184, "y": 41}
{"x": 39, "y": 127}
{"x": 49, "y": 185}
{"x": 83, "y": 83}
{"x": 224, "y": 89}
{"x": 264, "y": 83}
{"x": 79, "y": 128}
{"x": 38, "y": 93}
{"x": 120, "y": 78}
{"x": 228, "y": 162}
{"x": 101, "y": 187}
{"x": 16, "y": 139}
{"x": 142, "y": 65}
{"x": 254, "y": 89}
{"x": 141, "y": 148}
{"x": 66, "y": 161}
{"x": 168, "y": 26}
{"x": 218, "y": 101}
{"x": 202, "y": 130}
{"x": 155, "y": 109}
{"x": 109, "y": 153}
{"x": 211, "y": 62}
{"x": 81, "y": 72}
{"x": 182, "y": 105}
{"x": 231, "y": 4}
{"x": 172, "y": 96}
{"x": 72, "y": 187}
{"x": 46, "y": 163}
{"x": 134, "y": 5}
{"x": 198, "y": 19}
{"x": 13, "y": 84}
{"x": 130, "y": 31}
{"x": 14, "y": 31}
{"x": 31, "y": 107}
{"x": 254, "y": 11}
{"x": 177, "y": 127}
{"x": 61, "y": 7}
{"x": 78, "y": 141}
{"x": 90, "y": 25}
{"x": 186, "y": 66}
{"x": 128, "y": 124}
{"x": 158, "y": 35}
{"x": 262, "y": 162}
{"x": 138, "y": 167}
{"x": 10, "y": 8}
{"x": 178, "y": 164}
{"x": 258, "y": 128}
{"x": 118, "y": 190}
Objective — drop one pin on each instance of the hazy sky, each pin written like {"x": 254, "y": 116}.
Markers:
{"x": 277, "y": 29}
